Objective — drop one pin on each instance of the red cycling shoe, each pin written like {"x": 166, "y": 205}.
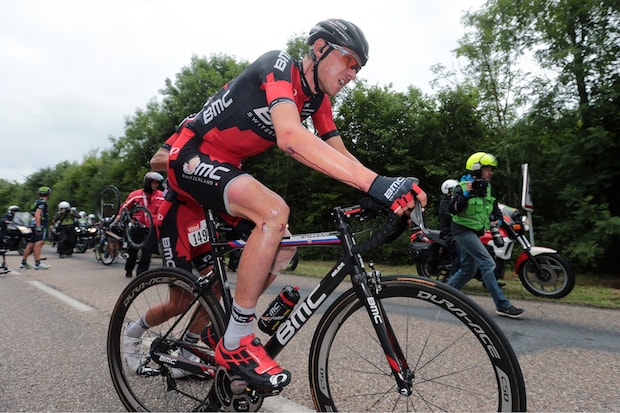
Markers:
{"x": 251, "y": 362}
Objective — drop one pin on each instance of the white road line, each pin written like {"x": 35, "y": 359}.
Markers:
{"x": 62, "y": 297}
{"x": 279, "y": 404}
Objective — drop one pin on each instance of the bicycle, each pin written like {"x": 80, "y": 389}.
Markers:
{"x": 134, "y": 227}
{"x": 411, "y": 343}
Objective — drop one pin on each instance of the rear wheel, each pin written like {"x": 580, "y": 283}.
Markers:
{"x": 458, "y": 358}
{"x": 153, "y": 386}
{"x": 108, "y": 202}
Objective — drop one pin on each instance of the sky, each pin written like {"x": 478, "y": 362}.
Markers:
{"x": 72, "y": 71}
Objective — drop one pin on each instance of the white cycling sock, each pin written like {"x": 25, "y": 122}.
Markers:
{"x": 191, "y": 338}
{"x": 136, "y": 329}
{"x": 241, "y": 324}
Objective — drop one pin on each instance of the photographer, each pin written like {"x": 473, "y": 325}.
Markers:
{"x": 473, "y": 207}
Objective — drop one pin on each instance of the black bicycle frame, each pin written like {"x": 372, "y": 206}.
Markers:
{"x": 349, "y": 264}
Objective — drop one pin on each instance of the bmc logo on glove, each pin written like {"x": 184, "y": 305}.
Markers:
{"x": 393, "y": 189}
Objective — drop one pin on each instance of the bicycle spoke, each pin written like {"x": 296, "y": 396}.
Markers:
{"x": 452, "y": 369}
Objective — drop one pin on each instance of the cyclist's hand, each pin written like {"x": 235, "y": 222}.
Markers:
{"x": 399, "y": 194}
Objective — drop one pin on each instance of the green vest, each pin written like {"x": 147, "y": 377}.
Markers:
{"x": 479, "y": 208}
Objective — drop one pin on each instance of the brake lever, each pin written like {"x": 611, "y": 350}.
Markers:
{"x": 417, "y": 217}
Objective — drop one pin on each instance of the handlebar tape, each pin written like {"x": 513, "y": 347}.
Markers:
{"x": 393, "y": 227}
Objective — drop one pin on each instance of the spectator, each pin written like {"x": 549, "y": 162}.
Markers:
{"x": 473, "y": 207}
{"x": 7, "y": 219}
{"x": 65, "y": 221}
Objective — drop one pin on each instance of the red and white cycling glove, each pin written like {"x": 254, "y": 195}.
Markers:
{"x": 394, "y": 193}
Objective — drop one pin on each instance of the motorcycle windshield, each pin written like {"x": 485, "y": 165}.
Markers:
{"x": 21, "y": 218}
{"x": 507, "y": 212}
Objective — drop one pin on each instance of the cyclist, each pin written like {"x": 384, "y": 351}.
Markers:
{"x": 39, "y": 231}
{"x": 472, "y": 207}
{"x": 151, "y": 197}
{"x": 262, "y": 107}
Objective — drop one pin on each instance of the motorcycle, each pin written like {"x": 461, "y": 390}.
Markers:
{"x": 542, "y": 270}
{"x": 85, "y": 236}
{"x": 18, "y": 232}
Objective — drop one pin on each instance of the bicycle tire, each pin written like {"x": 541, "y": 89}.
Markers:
{"x": 108, "y": 202}
{"x": 159, "y": 392}
{"x": 104, "y": 252}
{"x": 462, "y": 361}
{"x": 137, "y": 232}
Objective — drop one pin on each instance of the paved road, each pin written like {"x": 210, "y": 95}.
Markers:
{"x": 53, "y": 357}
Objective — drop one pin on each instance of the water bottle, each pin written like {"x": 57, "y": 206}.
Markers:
{"x": 279, "y": 309}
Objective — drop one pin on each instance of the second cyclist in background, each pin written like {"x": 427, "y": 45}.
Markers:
{"x": 150, "y": 196}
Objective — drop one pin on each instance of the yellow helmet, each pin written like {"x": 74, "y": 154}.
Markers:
{"x": 480, "y": 159}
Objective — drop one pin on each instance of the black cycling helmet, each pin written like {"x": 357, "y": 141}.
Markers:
{"x": 149, "y": 177}
{"x": 339, "y": 33}
{"x": 342, "y": 33}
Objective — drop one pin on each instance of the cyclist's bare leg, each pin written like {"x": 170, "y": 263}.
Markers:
{"x": 36, "y": 251}
{"x": 177, "y": 302}
{"x": 250, "y": 199}
{"x": 239, "y": 351}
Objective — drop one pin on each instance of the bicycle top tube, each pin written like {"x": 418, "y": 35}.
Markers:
{"x": 297, "y": 240}
{"x": 303, "y": 240}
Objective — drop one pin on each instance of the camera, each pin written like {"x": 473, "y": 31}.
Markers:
{"x": 479, "y": 187}
{"x": 497, "y": 237}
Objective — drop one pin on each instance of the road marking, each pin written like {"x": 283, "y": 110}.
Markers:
{"x": 279, "y": 404}
{"x": 62, "y": 297}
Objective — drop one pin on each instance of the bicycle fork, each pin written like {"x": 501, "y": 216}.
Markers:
{"x": 364, "y": 284}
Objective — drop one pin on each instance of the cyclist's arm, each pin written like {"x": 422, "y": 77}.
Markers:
{"x": 38, "y": 216}
{"x": 304, "y": 147}
{"x": 159, "y": 161}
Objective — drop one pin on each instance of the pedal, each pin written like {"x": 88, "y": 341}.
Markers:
{"x": 234, "y": 394}
{"x": 238, "y": 386}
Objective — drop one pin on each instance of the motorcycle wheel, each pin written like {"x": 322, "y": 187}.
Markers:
{"x": 80, "y": 247}
{"x": 22, "y": 247}
{"x": 435, "y": 267}
{"x": 556, "y": 281}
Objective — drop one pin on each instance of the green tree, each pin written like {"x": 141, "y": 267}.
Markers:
{"x": 570, "y": 133}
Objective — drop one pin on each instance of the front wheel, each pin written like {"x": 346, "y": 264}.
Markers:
{"x": 104, "y": 252}
{"x": 556, "y": 280}
{"x": 81, "y": 247}
{"x": 143, "y": 369}
{"x": 139, "y": 229}
{"x": 458, "y": 358}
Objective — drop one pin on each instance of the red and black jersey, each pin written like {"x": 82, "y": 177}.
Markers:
{"x": 236, "y": 123}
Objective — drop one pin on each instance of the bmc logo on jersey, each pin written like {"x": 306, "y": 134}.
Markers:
{"x": 283, "y": 59}
{"x": 263, "y": 115}
{"x": 205, "y": 170}
{"x": 215, "y": 106}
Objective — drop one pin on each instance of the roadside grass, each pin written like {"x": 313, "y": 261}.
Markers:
{"x": 601, "y": 291}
